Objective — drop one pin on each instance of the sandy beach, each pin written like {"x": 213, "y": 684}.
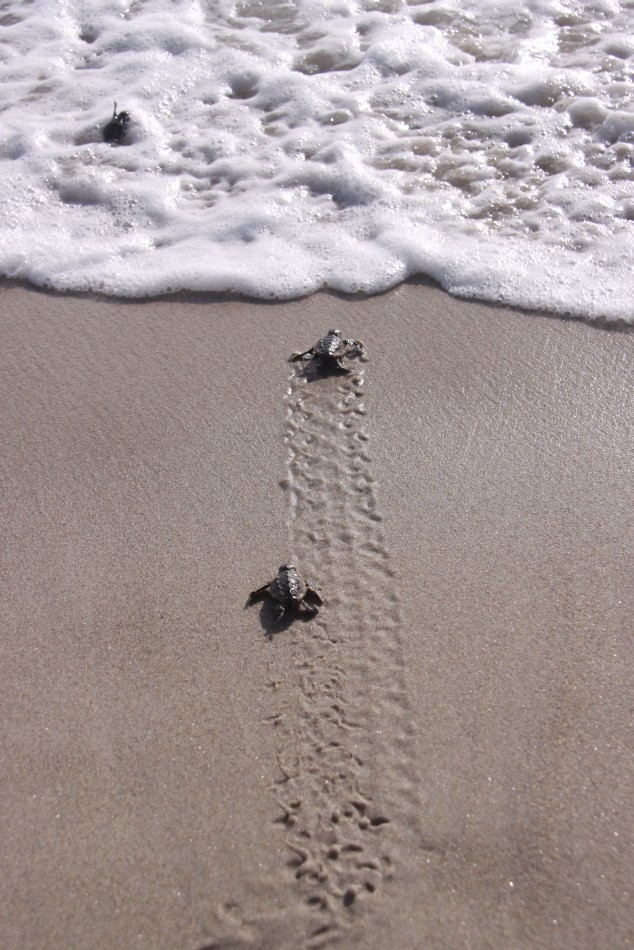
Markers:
{"x": 440, "y": 759}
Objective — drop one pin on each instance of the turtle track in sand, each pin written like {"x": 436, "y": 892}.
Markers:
{"x": 343, "y": 726}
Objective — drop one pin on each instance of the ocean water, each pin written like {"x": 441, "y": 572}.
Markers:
{"x": 279, "y": 147}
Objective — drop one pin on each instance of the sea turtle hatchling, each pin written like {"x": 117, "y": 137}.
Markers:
{"x": 291, "y": 592}
{"x": 116, "y": 129}
{"x": 332, "y": 350}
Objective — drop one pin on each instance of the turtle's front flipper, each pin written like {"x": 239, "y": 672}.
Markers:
{"x": 257, "y": 595}
{"x": 301, "y": 356}
{"x": 313, "y": 596}
{"x": 357, "y": 346}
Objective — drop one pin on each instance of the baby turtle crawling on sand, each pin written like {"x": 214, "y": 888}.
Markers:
{"x": 332, "y": 350}
{"x": 117, "y": 127}
{"x": 291, "y": 592}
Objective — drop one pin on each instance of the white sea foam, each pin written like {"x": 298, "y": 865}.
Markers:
{"x": 279, "y": 147}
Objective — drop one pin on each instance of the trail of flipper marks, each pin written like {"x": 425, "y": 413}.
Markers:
{"x": 344, "y": 732}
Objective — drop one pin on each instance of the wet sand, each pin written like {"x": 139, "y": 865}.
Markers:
{"x": 441, "y": 758}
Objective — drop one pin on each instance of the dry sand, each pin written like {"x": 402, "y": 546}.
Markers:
{"x": 440, "y": 759}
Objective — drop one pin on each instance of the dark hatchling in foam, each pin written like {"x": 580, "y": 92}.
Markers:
{"x": 116, "y": 129}
{"x": 291, "y": 592}
{"x": 332, "y": 351}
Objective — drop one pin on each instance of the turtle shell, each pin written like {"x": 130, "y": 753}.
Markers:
{"x": 288, "y": 586}
{"x": 331, "y": 344}
{"x": 117, "y": 127}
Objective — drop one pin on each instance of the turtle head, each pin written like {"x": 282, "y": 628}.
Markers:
{"x": 334, "y": 332}
{"x": 287, "y": 567}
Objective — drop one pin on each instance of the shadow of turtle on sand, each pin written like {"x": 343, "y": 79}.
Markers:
{"x": 271, "y": 623}
{"x": 316, "y": 369}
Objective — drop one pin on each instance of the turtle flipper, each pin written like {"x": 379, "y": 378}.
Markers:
{"x": 257, "y": 594}
{"x": 313, "y": 596}
{"x": 357, "y": 346}
{"x": 307, "y": 354}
